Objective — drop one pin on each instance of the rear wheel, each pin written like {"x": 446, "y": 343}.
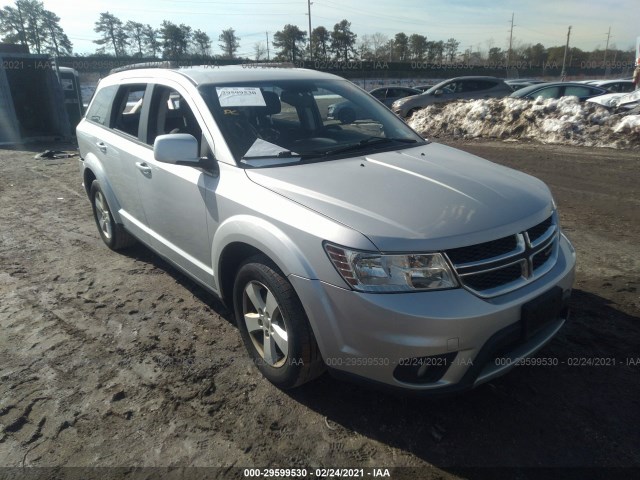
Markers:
{"x": 113, "y": 235}
{"x": 274, "y": 325}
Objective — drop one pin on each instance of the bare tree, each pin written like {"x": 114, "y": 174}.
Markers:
{"x": 259, "y": 51}
{"x": 378, "y": 42}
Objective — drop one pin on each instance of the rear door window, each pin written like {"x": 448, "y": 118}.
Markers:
{"x": 579, "y": 91}
{"x": 551, "y": 92}
{"x": 128, "y": 109}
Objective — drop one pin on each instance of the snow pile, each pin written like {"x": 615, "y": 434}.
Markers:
{"x": 559, "y": 121}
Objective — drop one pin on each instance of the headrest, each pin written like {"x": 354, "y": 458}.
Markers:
{"x": 273, "y": 103}
{"x": 297, "y": 99}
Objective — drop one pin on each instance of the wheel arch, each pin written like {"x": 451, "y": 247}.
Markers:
{"x": 242, "y": 237}
{"x": 93, "y": 171}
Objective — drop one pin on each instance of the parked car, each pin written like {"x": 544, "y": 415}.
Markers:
{"x": 558, "y": 90}
{"x": 424, "y": 88}
{"x": 624, "y": 101}
{"x": 615, "y": 86}
{"x": 454, "y": 89}
{"x": 362, "y": 249}
{"x": 521, "y": 83}
{"x": 347, "y": 112}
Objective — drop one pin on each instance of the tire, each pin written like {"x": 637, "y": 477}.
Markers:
{"x": 274, "y": 325}
{"x": 112, "y": 234}
{"x": 411, "y": 112}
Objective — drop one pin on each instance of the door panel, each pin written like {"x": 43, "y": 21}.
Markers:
{"x": 175, "y": 199}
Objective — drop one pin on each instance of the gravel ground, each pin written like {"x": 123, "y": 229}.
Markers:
{"x": 118, "y": 360}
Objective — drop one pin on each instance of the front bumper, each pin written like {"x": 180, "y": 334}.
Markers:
{"x": 371, "y": 335}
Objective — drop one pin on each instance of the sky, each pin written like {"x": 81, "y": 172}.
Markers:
{"x": 477, "y": 24}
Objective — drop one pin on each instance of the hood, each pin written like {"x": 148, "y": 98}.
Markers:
{"x": 424, "y": 198}
{"x": 607, "y": 100}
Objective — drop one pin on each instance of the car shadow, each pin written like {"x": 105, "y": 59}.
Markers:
{"x": 42, "y": 146}
{"x": 141, "y": 253}
{"x": 581, "y": 412}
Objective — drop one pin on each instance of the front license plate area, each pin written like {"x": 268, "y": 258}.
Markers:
{"x": 542, "y": 310}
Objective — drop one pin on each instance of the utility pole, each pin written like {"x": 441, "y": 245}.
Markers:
{"x": 604, "y": 61}
{"x": 510, "y": 44}
{"x": 309, "y": 8}
{"x": 563, "y": 75}
{"x": 268, "y": 57}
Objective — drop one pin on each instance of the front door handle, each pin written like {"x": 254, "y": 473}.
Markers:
{"x": 144, "y": 168}
{"x": 102, "y": 147}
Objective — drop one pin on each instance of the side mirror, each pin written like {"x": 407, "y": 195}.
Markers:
{"x": 176, "y": 148}
{"x": 437, "y": 93}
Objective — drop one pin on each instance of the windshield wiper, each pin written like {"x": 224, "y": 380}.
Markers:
{"x": 282, "y": 154}
{"x": 366, "y": 142}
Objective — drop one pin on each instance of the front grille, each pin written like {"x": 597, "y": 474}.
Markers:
{"x": 494, "y": 278}
{"x": 541, "y": 258}
{"x": 481, "y": 251}
{"x": 500, "y": 266}
{"x": 536, "y": 232}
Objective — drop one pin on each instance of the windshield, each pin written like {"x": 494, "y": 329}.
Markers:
{"x": 290, "y": 121}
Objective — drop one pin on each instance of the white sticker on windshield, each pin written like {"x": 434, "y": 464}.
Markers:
{"x": 240, "y": 97}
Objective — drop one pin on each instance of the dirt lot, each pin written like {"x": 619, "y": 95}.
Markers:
{"x": 118, "y": 360}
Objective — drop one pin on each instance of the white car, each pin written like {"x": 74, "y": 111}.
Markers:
{"x": 625, "y": 101}
{"x": 360, "y": 248}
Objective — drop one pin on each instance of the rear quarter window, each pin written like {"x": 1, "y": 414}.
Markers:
{"x": 99, "y": 110}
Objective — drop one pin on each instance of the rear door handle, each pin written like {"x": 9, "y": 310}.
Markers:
{"x": 144, "y": 168}
{"x": 102, "y": 147}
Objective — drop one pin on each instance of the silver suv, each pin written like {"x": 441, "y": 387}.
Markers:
{"x": 360, "y": 248}
{"x": 460, "y": 88}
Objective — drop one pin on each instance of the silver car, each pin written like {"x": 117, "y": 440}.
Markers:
{"x": 460, "y": 88}
{"x": 361, "y": 249}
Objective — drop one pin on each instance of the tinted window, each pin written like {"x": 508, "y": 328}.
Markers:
{"x": 485, "y": 84}
{"x": 470, "y": 86}
{"x": 551, "y": 92}
{"x": 99, "y": 109}
{"x": 397, "y": 92}
{"x": 579, "y": 91}
{"x": 128, "y": 109}
{"x": 379, "y": 94}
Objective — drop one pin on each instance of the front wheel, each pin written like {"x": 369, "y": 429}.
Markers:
{"x": 274, "y": 325}
{"x": 112, "y": 234}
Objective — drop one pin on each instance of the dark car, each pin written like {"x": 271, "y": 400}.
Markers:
{"x": 425, "y": 87}
{"x": 517, "y": 84}
{"x": 347, "y": 112}
{"x": 615, "y": 86}
{"x": 558, "y": 90}
{"x": 460, "y": 88}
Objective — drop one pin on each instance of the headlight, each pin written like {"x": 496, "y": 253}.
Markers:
{"x": 374, "y": 272}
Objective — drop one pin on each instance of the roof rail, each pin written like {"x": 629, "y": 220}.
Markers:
{"x": 137, "y": 66}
